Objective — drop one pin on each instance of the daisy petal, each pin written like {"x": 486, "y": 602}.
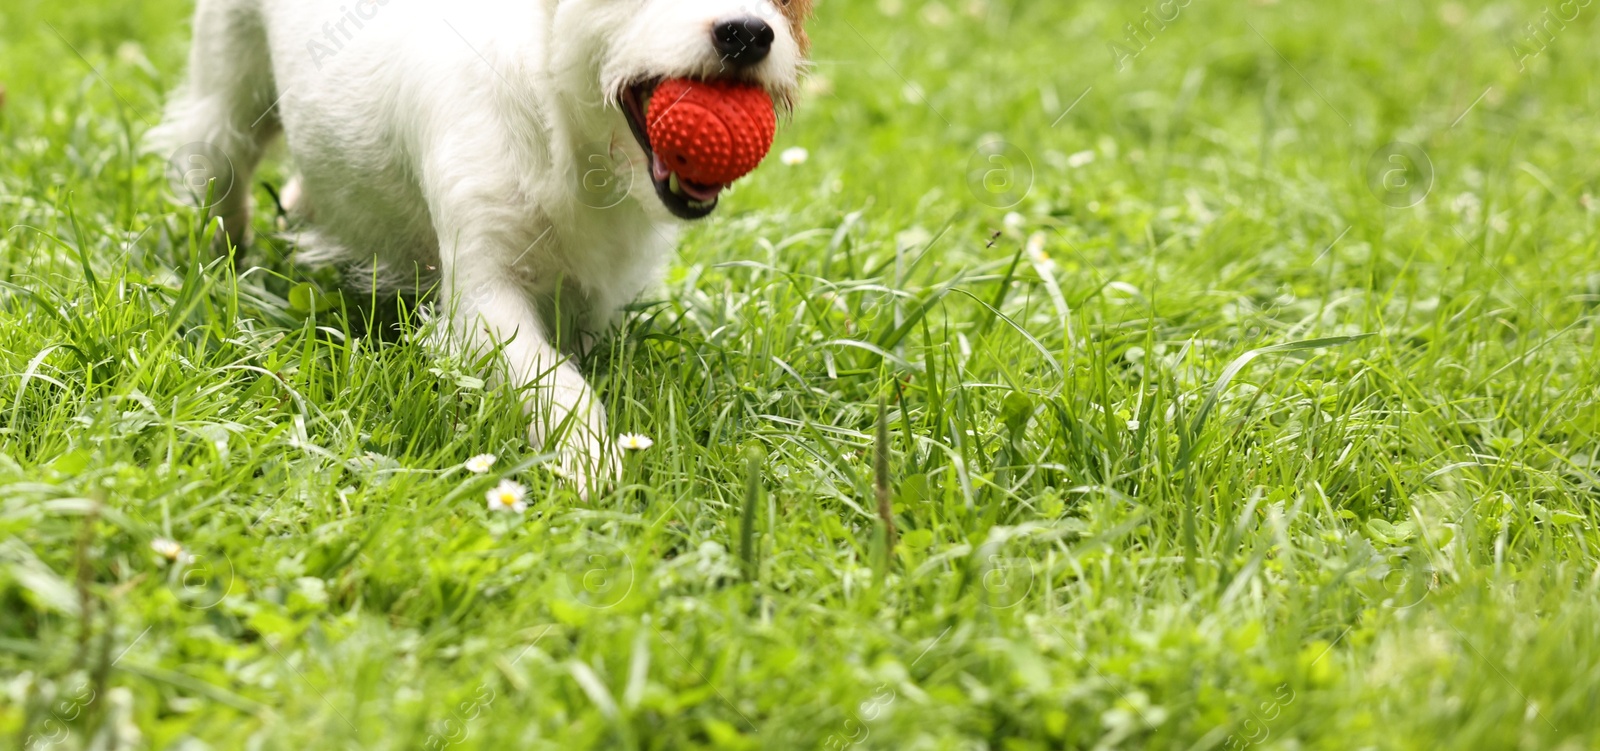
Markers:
{"x": 508, "y": 496}
{"x": 634, "y": 442}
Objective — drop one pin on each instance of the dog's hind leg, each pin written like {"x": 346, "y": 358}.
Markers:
{"x": 217, "y": 126}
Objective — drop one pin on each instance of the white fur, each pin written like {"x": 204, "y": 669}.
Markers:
{"x": 447, "y": 139}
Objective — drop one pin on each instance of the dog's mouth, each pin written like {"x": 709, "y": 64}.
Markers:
{"x": 684, "y": 198}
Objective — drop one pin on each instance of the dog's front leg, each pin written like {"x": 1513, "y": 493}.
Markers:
{"x": 491, "y": 310}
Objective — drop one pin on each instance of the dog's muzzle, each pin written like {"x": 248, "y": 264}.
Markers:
{"x": 684, "y": 198}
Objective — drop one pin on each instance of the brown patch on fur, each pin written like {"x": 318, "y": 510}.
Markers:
{"x": 797, "y": 11}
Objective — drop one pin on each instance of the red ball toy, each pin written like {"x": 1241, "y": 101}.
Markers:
{"x": 711, "y": 132}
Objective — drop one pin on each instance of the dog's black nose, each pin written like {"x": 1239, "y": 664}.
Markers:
{"x": 743, "y": 41}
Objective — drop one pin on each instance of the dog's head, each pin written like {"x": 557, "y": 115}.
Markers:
{"x": 633, "y": 45}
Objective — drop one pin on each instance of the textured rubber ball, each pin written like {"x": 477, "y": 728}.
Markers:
{"x": 711, "y": 132}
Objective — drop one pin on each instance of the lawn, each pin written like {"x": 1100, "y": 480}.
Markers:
{"x": 1229, "y": 384}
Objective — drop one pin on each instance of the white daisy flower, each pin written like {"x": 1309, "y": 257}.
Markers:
{"x": 168, "y": 549}
{"x": 795, "y": 157}
{"x": 508, "y": 496}
{"x": 1080, "y": 159}
{"x": 481, "y": 463}
{"x": 1133, "y": 426}
{"x": 634, "y": 442}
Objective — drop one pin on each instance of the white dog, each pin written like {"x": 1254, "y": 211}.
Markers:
{"x": 497, "y": 147}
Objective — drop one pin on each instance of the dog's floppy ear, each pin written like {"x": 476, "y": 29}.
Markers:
{"x": 797, "y": 11}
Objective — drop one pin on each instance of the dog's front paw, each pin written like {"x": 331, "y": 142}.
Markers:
{"x": 591, "y": 466}
{"x": 586, "y": 457}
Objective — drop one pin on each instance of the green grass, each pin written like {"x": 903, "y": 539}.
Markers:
{"x": 1116, "y": 528}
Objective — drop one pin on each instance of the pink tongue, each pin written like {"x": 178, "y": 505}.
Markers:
{"x": 700, "y": 192}
{"x": 658, "y": 170}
